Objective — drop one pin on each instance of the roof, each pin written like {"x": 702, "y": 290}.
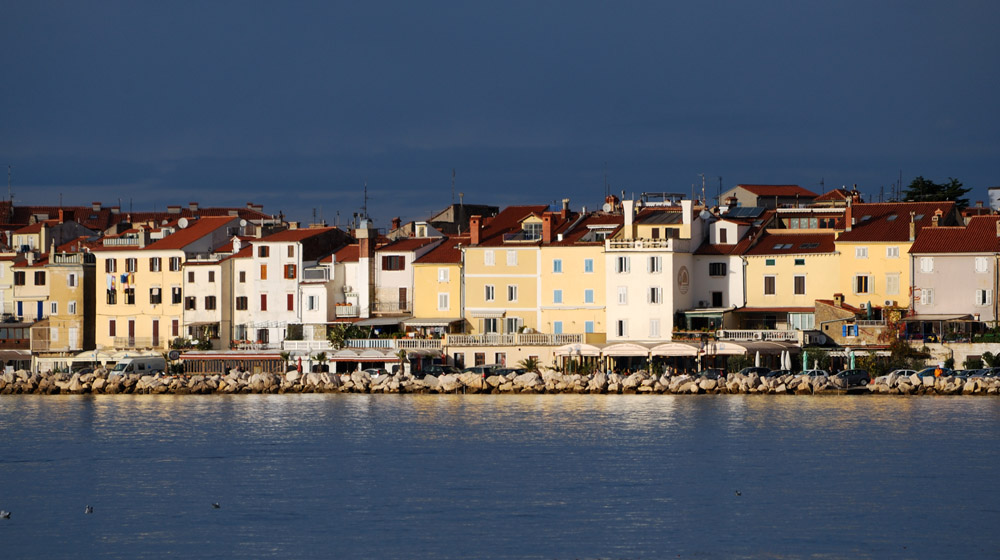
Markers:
{"x": 609, "y": 223}
{"x": 448, "y": 252}
{"x": 778, "y": 190}
{"x": 108, "y": 216}
{"x": 793, "y": 244}
{"x": 834, "y": 195}
{"x": 508, "y": 220}
{"x": 78, "y": 244}
{"x": 36, "y": 227}
{"x": 845, "y": 306}
{"x": 980, "y": 236}
{"x": 890, "y": 221}
{"x": 294, "y": 234}
{"x": 407, "y": 244}
{"x": 195, "y": 231}
{"x": 347, "y": 253}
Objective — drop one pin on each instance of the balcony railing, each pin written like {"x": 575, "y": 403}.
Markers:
{"x": 392, "y": 306}
{"x": 364, "y": 343}
{"x": 347, "y": 311}
{"x": 523, "y": 339}
{"x": 758, "y": 335}
{"x": 318, "y": 273}
{"x": 137, "y": 342}
{"x": 638, "y": 244}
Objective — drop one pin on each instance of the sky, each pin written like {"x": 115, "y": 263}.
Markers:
{"x": 299, "y": 105}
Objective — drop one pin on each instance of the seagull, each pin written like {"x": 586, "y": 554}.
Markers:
{"x": 88, "y": 509}
{"x": 216, "y": 505}
{"x": 738, "y": 493}
{"x": 4, "y": 514}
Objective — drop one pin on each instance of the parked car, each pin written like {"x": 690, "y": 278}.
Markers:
{"x": 884, "y": 379}
{"x": 753, "y": 369}
{"x": 712, "y": 373}
{"x": 932, "y": 372}
{"x": 816, "y": 373}
{"x": 376, "y": 372}
{"x": 484, "y": 371}
{"x": 778, "y": 373}
{"x": 854, "y": 377}
{"x": 438, "y": 371}
{"x": 507, "y": 371}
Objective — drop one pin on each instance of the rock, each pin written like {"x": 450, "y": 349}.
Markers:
{"x": 528, "y": 380}
{"x": 599, "y": 382}
{"x": 632, "y": 381}
{"x": 708, "y": 384}
{"x": 472, "y": 381}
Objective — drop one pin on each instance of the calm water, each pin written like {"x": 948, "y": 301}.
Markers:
{"x": 571, "y": 476}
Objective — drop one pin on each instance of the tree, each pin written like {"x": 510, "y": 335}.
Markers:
{"x": 923, "y": 190}
{"x": 529, "y": 364}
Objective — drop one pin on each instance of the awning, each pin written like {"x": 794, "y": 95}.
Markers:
{"x": 675, "y": 349}
{"x": 623, "y": 349}
{"x": 724, "y": 349}
{"x": 488, "y": 314}
{"x": 770, "y": 347}
{"x": 929, "y": 317}
{"x": 379, "y": 321}
{"x": 15, "y": 355}
{"x": 418, "y": 322}
{"x": 711, "y": 311}
{"x": 577, "y": 350}
{"x": 776, "y": 310}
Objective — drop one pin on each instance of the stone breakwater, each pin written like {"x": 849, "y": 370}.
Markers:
{"x": 103, "y": 382}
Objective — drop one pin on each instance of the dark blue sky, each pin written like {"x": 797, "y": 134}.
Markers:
{"x": 295, "y": 104}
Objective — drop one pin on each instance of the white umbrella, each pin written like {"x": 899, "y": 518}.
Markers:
{"x": 786, "y": 360}
{"x": 756, "y": 359}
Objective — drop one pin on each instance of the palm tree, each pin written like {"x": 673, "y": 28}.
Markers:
{"x": 529, "y": 364}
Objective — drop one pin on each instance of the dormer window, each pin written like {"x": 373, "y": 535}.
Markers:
{"x": 532, "y": 230}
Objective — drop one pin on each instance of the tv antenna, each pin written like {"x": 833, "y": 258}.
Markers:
{"x": 364, "y": 206}
{"x": 452, "y": 185}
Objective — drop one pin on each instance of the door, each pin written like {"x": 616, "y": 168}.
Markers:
{"x": 40, "y": 307}
{"x": 74, "y": 338}
{"x": 402, "y": 299}
{"x": 156, "y": 332}
{"x": 131, "y": 333}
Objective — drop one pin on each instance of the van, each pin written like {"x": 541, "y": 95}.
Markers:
{"x": 141, "y": 364}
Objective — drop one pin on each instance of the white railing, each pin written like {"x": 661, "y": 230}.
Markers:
{"x": 392, "y": 306}
{"x": 346, "y": 310}
{"x": 394, "y": 343}
{"x": 757, "y": 335}
{"x": 871, "y": 323}
{"x": 524, "y": 339}
{"x": 307, "y": 345}
{"x": 638, "y": 244}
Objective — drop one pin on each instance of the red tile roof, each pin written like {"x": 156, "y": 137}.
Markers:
{"x": 347, "y": 253}
{"x": 778, "y": 190}
{"x": 448, "y": 252}
{"x": 793, "y": 244}
{"x": 195, "y": 231}
{"x": 834, "y": 195}
{"x": 78, "y": 244}
{"x": 507, "y": 221}
{"x": 890, "y": 221}
{"x": 407, "y": 244}
{"x": 613, "y": 221}
{"x": 296, "y": 234}
{"x": 980, "y": 236}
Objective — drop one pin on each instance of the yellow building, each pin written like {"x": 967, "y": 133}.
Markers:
{"x": 7, "y": 285}
{"x": 437, "y": 291}
{"x": 69, "y": 328}
{"x": 874, "y": 249}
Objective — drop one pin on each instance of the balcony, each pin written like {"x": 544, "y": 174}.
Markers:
{"x": 522, "y": 339}
{"x": 640, "y": 244}
{"x": 138, "y": 342}
{"x": 341, "y": 310}
{"x": 522, "y": 237}
{"x": 364, "y": 343}
{"x": 313, "y": 274}
{"x": 747, "y": 335}
{"x": 392, "y": 307}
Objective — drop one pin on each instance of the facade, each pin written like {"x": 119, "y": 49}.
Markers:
{"x": 770, "y": 196}
{"x": 69, "y": 327}
{"x": 437, "y": 279}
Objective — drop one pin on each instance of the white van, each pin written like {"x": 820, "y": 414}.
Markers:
{"x": 141, "y": 364}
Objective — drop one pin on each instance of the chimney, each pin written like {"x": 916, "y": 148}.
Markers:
{"x": 193, "y": 206}
{"x": 913, "y": 226}
{"x": 838, "y": 300}
{"x": 998, "y": 228}
{"x": 565, "y": 209}
{"x": 95, "y": 206}
{"x": 546, "y": 228}
{"x": 395, "y": 223}
{"x": 174, "y": 209}
{"x": 979, "y": 204}
{"x": 936, "y": 219}
{"x": 61, "y": 215}
{"x": 30, "y": 255}
{"x": 627, "y": 209}
{"x": 848, "y": 216}
{"x": 367, "y": 239}
{"x": 475, "y": 229}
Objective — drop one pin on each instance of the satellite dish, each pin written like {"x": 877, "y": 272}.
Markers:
{"x": 173, "y": 355}
{"x": 606, "y": 207}
{"x": 243, "y": 223}
{"x": 182, "y": 223}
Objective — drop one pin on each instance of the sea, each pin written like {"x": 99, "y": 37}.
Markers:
{"x": 499, "y": 476}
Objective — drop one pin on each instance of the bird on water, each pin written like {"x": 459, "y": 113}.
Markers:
{"x": 738, "y": 493}
{"x": 88, "y": 509}
{"x": 216, "y": 505}
{"x": 4, "y": 514}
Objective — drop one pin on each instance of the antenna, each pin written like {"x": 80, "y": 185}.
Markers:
{"x": 822, "y": 184}
{"x": 452, "y": 185}
{"x": 364, "y": 207}
{"x": 10, "y": 193}
{"x": 607, "y": 189}
{"x": 718, "y": 199}
{"x": 703, "y": 201}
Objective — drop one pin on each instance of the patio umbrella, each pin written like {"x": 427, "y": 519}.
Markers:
{"x": 805, "y": 360}
{"x": 756, "y": 359}
{"x": 852, "y": 359}
{"x": 788, "y": 360}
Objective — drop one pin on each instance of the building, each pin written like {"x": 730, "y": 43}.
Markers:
{"x": 770, "y": 196}
{"x": 437, "y": 278}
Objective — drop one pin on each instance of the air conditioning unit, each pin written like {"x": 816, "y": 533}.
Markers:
{"x": 887, "y": 302}
{"x": 348, "y": 289}
{"x": 702, "y": 304}
{"x": 864, "y": 306}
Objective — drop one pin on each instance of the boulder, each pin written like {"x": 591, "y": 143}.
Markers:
{"x": 708, "y": 384}
{"x": 528, "y": 380}
{"x": 599, "y": 382}
{"x": 632, "y": 381}
{"x": 472, "y": 381}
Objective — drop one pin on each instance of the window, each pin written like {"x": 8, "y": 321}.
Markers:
{"x": 393, "y": 262}
{"x": 311, "y": 303}
{"x": 621, "y": 328}
{"x": 129, "y": 296}
{"x": 983, "y": 297}
{"x": 40, "y": 278}
{"x": 111, "y": 265}
{"x": 892, "y": 252}
{"x": 211, "y": 276}
{"x": 112, "y": 297}
{"x": 861, "y": 252}
{"x": 131, "y": 264}
{"x": 511, "y": 292}
{"x": 210, "y": 302}
{"x": 622, "y": 265}
{"x": 72, "y": 280}
{"x": 588, "y": 265}
{"x": 655, "y": 265}
{"x": 655, "y": 295}
{"x": 289, "y": 271}
{"x": 769, "y": 262}
{"x": 190, "y": 303}
{"x": 892, "y": 284}
{"x": 243, "y": 277}
{"x": 443, "y": 302}
{"x": 175, "y": 264}
{"x": 717, "y": 269}
{"x": 71, "y": 308}
{"x": 175, "y": 327}
{"x": 190, "y": 277}
{"x": 263, "y": 251}
{"x": 861, "y": 284}
{"x": 241, "y": 303}
{"x": 155, "y": 297}
{"x": 175, "y": 295}
{"x": 557, "y": 327}
{"x": 19, "y": 277}
{"x": 588, "y": 327}
{"x": 263, "y": 272}
{"x": 723, "y": 235}
{"x": 655, "y": 233}
{"x": 290, "y": 302}
{"x": 800, "y": 285}
{"x": 154, "y": 264}
{"x": 982, "y": 264}
{"x": 54, "y": 308}
{"x": 490, "y": 294}
{"x": 622, "y": 295}
{"x": 488, "y": 258}
{"x": 263, "y": 336}
{"x": 654, "y": 328}
{"x": 716, "y": 299}
{"x": 557, "y": 266}
{"x": 291, "y": 251}
{"x": 927, "y": 296}
{"x": 800, "y": 262}
{"x": 491, "y": 325}
{"x": 588, "y": 296}
{"x": 112, "y": 328}
{"x": 556, "y": 296}
{"x": 769, "y": 285}
{"x": 263, "y": 302}
{"x": 443, "y": 275}
{"x": 926, "y": 264}
{"x": 802, "y": 321}
{"x": 511, "y": 258}
{"x": 849, "y": 331}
